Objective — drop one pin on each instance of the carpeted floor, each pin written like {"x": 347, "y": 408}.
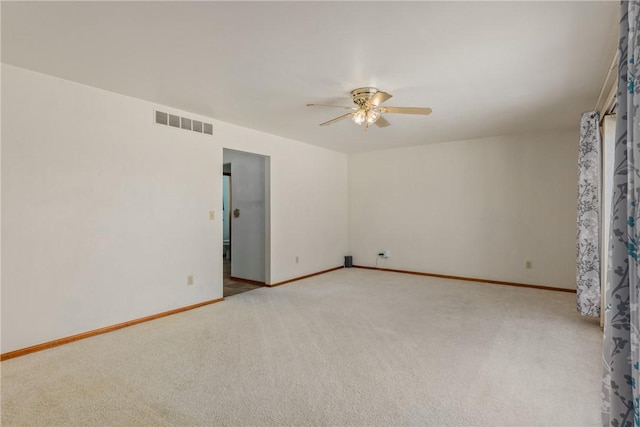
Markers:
{"x": 351, "y": 347}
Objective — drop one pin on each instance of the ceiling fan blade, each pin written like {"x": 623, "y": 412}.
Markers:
{"x": 382, "y": 122}
{"x": 406, "y": 110}
{"x": 332, "y": 106}
{"x": 378, "y": 98}
{"x": 337, "y": 119}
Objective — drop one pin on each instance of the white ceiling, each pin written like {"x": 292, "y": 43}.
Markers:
{"x": 486, "y": 68}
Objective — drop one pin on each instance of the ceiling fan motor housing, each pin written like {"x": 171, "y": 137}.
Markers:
{"x": 361, "y": 95}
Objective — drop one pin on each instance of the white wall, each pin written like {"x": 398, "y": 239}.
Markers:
{"x": 477, "y": 208}
{"x": 308, "y": 201}
{"x": 104, "y": 213}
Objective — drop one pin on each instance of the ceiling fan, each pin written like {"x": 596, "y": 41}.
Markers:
{"x": 368, "y": 109}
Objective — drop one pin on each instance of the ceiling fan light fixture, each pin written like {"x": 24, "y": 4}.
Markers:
{"x": 372, "y": 116}
{"x": 359, "y": 117}
{"x": 369, "y": 115}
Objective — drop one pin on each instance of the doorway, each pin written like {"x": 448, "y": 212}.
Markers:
{"x": 245, "y": 221}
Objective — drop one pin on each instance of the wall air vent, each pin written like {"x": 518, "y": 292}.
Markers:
{"x": 185, "y": 123}
{"x": 174, "y": 121}
{"x": 162, "y": 118}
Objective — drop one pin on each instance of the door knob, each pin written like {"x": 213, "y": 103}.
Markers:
{"x": 236, "y": 213}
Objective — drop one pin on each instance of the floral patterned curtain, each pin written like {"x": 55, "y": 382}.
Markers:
{"x": 588, "y": 247}
{"x": 621, "y": 397}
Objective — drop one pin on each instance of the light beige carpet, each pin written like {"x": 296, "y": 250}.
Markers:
{"x": 351, "y": 347}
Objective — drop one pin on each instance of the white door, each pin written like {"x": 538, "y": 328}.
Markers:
{"x": 247, "y": 215}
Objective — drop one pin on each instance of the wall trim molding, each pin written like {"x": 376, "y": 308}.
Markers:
{"x": 66, "y": 340}
{"x": 77, "y": 337}
{"x": 305, "y": 276}
{"x": 471, "y": 279}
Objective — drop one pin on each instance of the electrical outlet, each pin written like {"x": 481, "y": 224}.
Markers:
{"x": 529, "y": 265}
{"x": 385, "y": 254}
{"x": 189, "y": 280}
{"x": 212, "y": 215}
{"x": 297, "y": 260}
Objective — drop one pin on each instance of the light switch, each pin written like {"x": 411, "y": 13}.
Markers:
{"x": 212, "y": 215}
